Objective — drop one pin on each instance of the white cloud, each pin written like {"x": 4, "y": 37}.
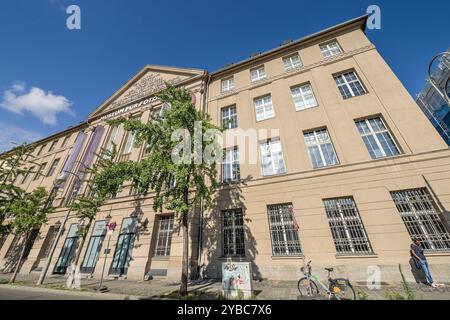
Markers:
{"x": 44, "y": 105}
{"x": 13, "y": 134}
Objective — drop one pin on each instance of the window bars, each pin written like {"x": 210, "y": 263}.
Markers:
{"x": 418, "y": 212}
{"x": 233, "y": 233}
{"x": 283, "y": 230}
{"x": 346, "y": 226}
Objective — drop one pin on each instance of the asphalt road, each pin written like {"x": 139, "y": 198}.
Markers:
{"x": 23, "y": 294}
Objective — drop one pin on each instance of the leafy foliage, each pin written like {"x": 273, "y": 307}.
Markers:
{"x": 157, "y": 172}
{"x": 12, "y": 164}
{"x": 30, "y": 210}
{"x": 87, "y": 205}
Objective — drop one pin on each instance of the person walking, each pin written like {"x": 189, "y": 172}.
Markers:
{"x": 421, "y": 261}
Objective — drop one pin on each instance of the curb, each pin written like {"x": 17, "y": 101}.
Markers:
{"x": 104, "y": 296}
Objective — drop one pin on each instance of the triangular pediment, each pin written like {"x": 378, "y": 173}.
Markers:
{"x": 147, "y": 82}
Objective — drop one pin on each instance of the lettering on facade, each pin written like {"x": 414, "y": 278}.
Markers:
{"x": 129, "y": 108}
{"x": 149, "y": 84}
{"x": 146, "y": 86}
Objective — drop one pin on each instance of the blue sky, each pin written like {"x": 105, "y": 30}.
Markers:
{"x": 52, "y": 77}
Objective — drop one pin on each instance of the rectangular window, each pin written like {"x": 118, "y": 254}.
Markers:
{"x": 230, "y": 165}
{"x": 227, "y": 84}
{"x": 111, "y": 138}
{"x": 233, "y": 233}
{"x": 164, "y": 237}
{"x": 52, "y": 169}
{"x": 52, "y": 146}
{"x": 27, "y": 175}
{"x": 292, "y": 62}
{"x": 320, "y": 148}
{"x": 229, "y": 117}
{"x": 349, "y": 85}
{"x": 40, "y": 171}
{"x": 129, "y": 144}
{"x": 417, "y": 209}
{"x": 377, "y": 138}
{"x": 94, "y": 247}
{"x": 65, "y": 141}
{"x": 346, "y": 226}
{"x": 67, "y": 251}
{"x": 330, "y": 49}
{"x": 303, "y": 97}
{"x": 272, "y": 160}
{"x": 40, "y": 150}
{"x": 258, "y": 73}
{"x": 264, "y": 108}
{"x": 124, "y": 247}
{"x": 283, "y": 230}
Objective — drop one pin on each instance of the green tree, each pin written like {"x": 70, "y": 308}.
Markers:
{"x": 12, "y": 164}
{"x": 180, "y": 163}
{"x": 28, "y": 211}
{"x": 87, "y": 205}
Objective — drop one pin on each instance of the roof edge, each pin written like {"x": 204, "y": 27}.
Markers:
{"x": 361, "y": 21}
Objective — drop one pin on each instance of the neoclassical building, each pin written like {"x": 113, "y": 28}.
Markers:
{"x": 349, "y": 171}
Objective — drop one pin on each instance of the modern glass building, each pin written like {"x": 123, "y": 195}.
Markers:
{"x": 433, "y": 105}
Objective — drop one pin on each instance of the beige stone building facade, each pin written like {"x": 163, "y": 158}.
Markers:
{"x": 345, "y": 169}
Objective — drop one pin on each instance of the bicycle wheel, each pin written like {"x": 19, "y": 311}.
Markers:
{"x": 342, "y": 289}
{"x": 307, "y": 288}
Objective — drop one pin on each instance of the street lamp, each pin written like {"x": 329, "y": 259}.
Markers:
{"x": 110, "y": 226}
{"x": 61, "y": 178}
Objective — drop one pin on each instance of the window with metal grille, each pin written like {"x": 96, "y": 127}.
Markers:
{"x": 320, "y": 148}
{"x": 349, "y": 85}
{"x": 230, "y": 165}
{"x": 417, "y": 209}
{"x": 164, "y": 238}
{"x": 330, "y": 49}
{"x": 377, "y": 138}
{"x": 233, "y": 233}
{"x": 283, "y": 230}
{"x": 229, "y": 117}
{"x": 303, "y": 97}
{"x": 347, "y": 229}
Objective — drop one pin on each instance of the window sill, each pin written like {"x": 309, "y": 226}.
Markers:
{"x": 437, "y": 253}
{"x": 233, "y": 258}
{"x": 274, "y": 175}
{"x": 304, "y": 109}
{"x": 356, "y": 256}
{"x": 161, "y": 258}
{"x": 261, "y": 120}
{"x": 296, "y": 257}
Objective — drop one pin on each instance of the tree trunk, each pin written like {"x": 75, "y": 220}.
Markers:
{"x": 185, "y": 261}
{"x": 22, "y": 252}
{"x": 80, "y": 246}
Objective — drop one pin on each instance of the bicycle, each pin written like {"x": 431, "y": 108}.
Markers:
{"x": 337, "y": 289}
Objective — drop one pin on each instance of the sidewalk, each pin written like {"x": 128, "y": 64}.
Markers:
{"x": 210, "y": 289}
